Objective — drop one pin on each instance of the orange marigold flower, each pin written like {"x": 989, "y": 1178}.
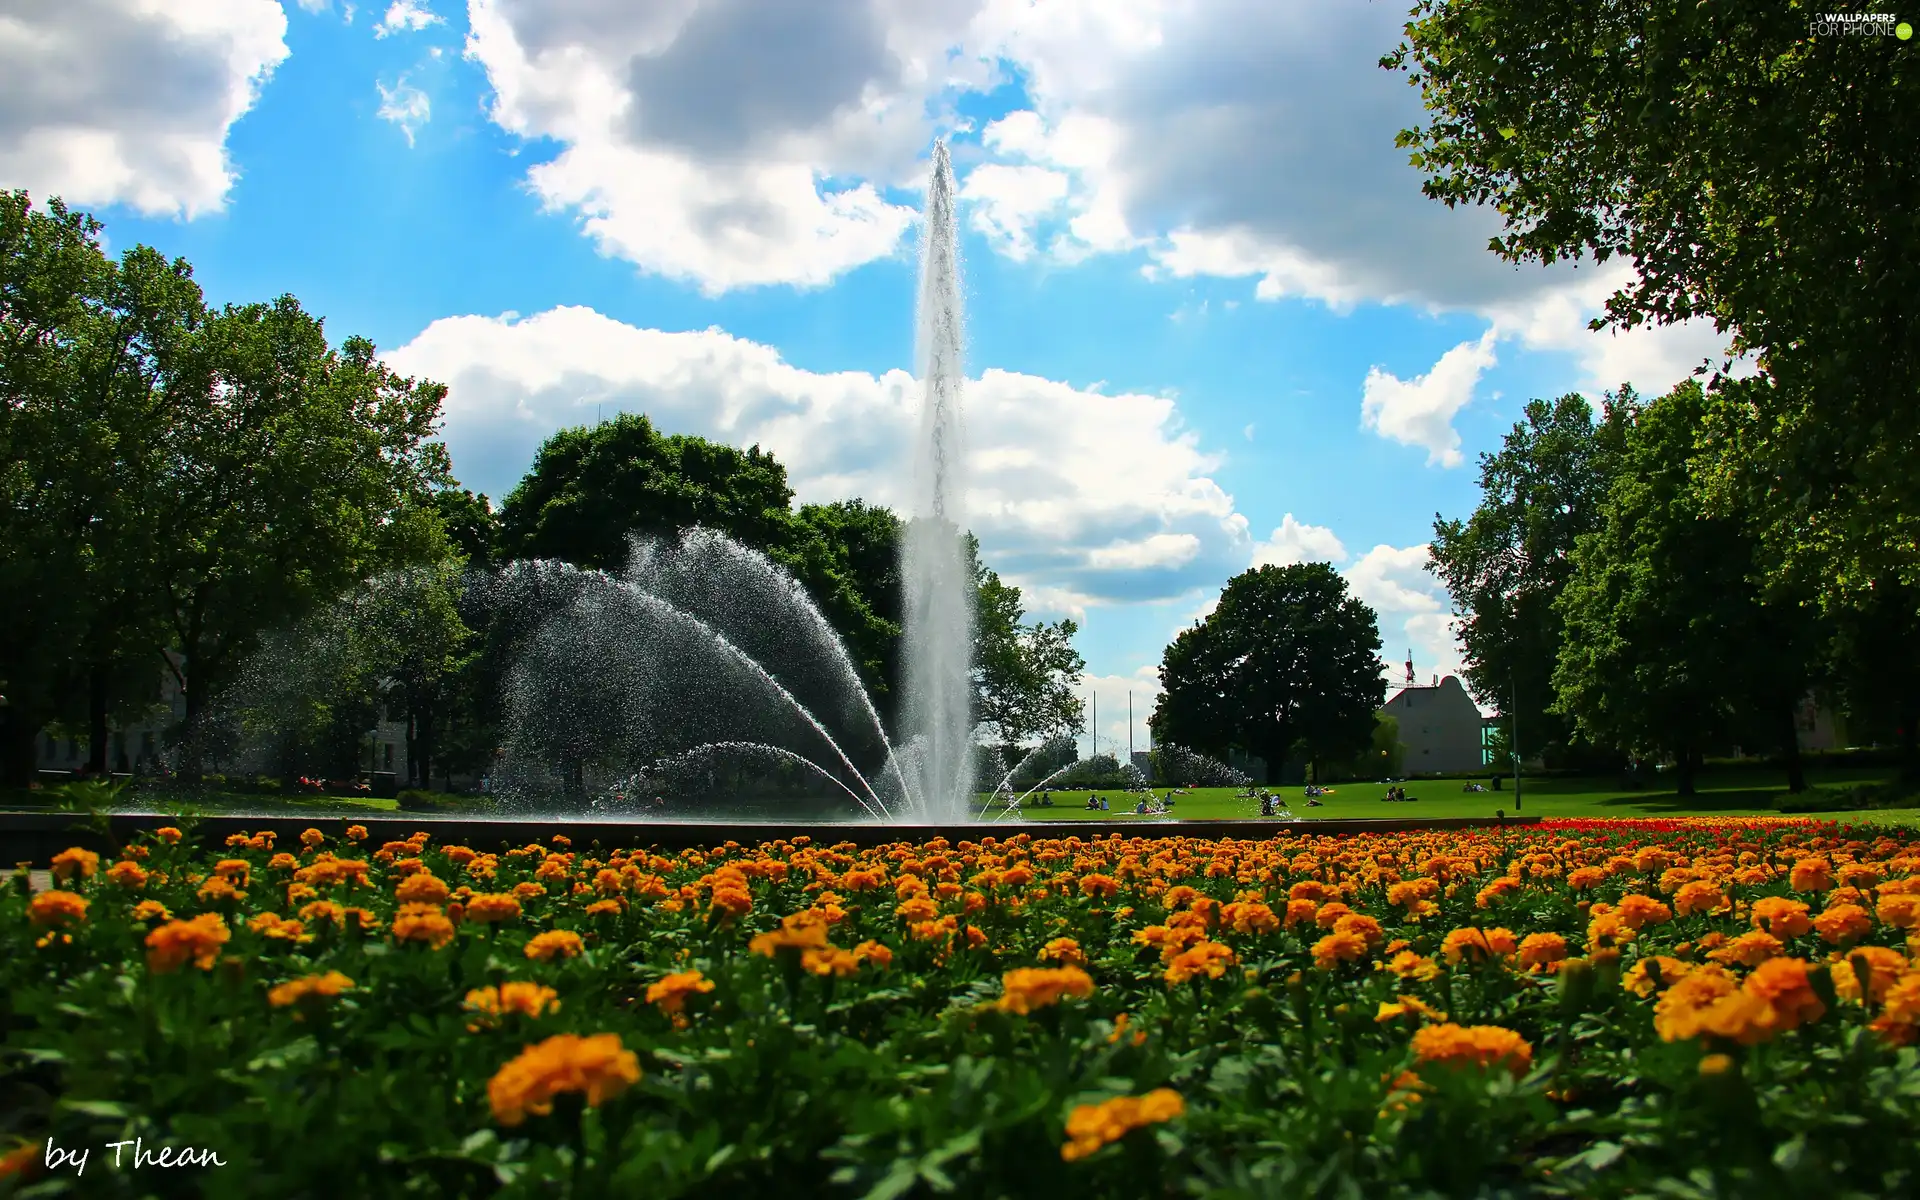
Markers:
{"x": 1361, "y": 926}
{"x": 528, "y": 890}
{"x": 1465, "y": 943}
{"x": 168, "y": 834}
{"x": 1336, "y": 948}
{"x": 1784, "y": 984}
{"x": 128, "y": 874}
{"x": 1900, "y": 911}
{"x": 422, "y": 888}
{"x": 670, "y": 994}
{"x": 521, "y": 998}
{"x": 554, "y": 943}
{"x": 1843, "y": 924}
{"x": 829, "y": 960}
{"x": 54, "y": 909}
{"x": 422, "y": 923}
{"x": 1403, "y": 1006}
{"x": 1811, "y": 875}
{"x": 1700, "y": 896}
{"x": 1408, "y": 965}
{"x": 177, "y": 942}
{"x": 1027, "y": 988}
{"x": 1099, "y": 886}
{"x": 312, "y": 837}
{"x": 1541, "y": 950}
{"x": 917, "y": 908}
{"x": 356, "y": 833}
{"x": 1655, "y": 972}
{"x": 1749, "y": 949}
{"x": 282, "y": 862}
{"x": 1328, "y": 915}
{"x": 1091, "y": 1126}
{"x": 1900, "y": 1010}
{"x": 75, "y": 861}
{"x": 1883, "y": 966}
{"x": 1063, "y": 950}
{"x": 1582, "y": 878}
{"x": 804, "y": 930}
{"x": 1473, "y": 1046}
{"x": 603, "y": 908}
{"x": 310, "y": 989}
{"x": 874, "y": 952}
{"x": 148, "y": 910}
{"x": 1637, "y": 912}
{"x": 1495, "y": 892}
{"x": 1298, "y": 912}
{"x": 598, "y": 1067}
{"x": 219, "y": 887}
{"x": 1204, "y": 958}
{"x": 1781, "y": 917}
{"x": 490, "y": 907}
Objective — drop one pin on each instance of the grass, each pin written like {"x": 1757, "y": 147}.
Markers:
{"x": 1731, "y": 792}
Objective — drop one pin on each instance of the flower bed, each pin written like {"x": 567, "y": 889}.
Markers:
{"x": 1727, "y": 1006}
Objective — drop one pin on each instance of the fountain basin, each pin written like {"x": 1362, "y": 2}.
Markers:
{"x": 36, "y": 837}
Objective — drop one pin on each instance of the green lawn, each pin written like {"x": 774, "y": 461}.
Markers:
{"x": 1730, "y": 792}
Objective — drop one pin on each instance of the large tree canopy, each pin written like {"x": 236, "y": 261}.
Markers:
{"x": 592, "y": 486}
{"x": 1753, "y": 174}
{"x": 1288, "y": 663}
{"x": 1507, "y": 563}
{"x": 1672, "y": 646}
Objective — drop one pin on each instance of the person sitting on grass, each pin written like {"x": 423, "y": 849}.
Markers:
{"x": 1093, "y": 802}
{"x": 1104, "y": 805}
{"x": 1266, "y": 806}
{"x": 1140, "y": 809}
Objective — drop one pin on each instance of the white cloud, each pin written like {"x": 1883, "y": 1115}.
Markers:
{"x": 405, "y": 105}
{"x": 729, "y": 143}
{"x": 1416, "y": 616}
{"x": 1295, "y": 542}
{"x": 1248, "y": 432}
{"x": 1085, "y": 498}
{"x": 1420, "y": 412}
{"x": 1110, "y": 722}
{"x": 1008, "y": 201}
{"x": 405, "y": 16}
{"x": 129, "y": 102}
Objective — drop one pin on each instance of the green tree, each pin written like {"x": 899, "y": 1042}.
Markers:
{"x": 847, "y": 556}
{"x": 1754, "y": 175}
{"x": 1288, "y": 662}
{"x": 91, "y": 354}
{"x": 1671, "y": 643}
{"x": 589, "y": 488}
{"x": 1875, "y": 644}
{"x": 292, "y": 471}
{"x": 1507, "y": 563}
{"x": 472, "y": 525}
{"x": 1024, "y": 672}
{"x": 420, "y": 648}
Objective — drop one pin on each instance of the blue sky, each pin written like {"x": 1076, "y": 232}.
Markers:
{"x": 1211, "y": 320}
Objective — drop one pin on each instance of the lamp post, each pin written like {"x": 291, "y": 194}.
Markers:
{"x": 1516, "y": 742}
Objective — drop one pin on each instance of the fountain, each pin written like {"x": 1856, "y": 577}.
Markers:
{"x": 704, "y": 653}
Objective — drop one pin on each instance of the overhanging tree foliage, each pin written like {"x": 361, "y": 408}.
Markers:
{"x": 1753, "y": 175}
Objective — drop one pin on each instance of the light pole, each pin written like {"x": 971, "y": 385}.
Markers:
{"x": 1516, "y": 742}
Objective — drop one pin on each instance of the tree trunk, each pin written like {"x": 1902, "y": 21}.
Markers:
{"x": 1790, "y": 750}
{"x": 1683, "y": 768}
{"x": 19, "y": 738}
{"x": 194, "y": 694}
{"x": 424, "y": 739}
{"x": 413, "y": 749}
{"x": 97, "y": 719}
{"x": 1910, "y": 746}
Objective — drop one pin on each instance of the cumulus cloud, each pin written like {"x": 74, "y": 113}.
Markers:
{"x": 405, "y": 16}
{"x": 728, "y": 143}
{"x": 1093, "y": 498}
{"x": 405, "y": 105}
{"x": 1419, "y": 412}
{"x": 1294, "y": 541}
{"x": 123, "y": 102}
{"x": 1416, "y": 615}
